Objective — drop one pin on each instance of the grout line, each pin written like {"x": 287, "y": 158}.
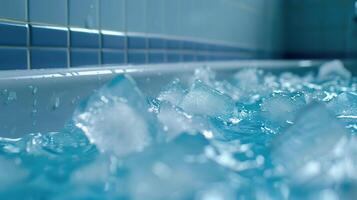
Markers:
{"x": 68, "y": 35}
{"x": 99, "y": 19}
{"x": 126, "y": 60}
{"x": 28, "y": 36}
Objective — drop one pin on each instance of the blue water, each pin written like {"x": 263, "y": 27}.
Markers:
{"x": 253, "y": 135}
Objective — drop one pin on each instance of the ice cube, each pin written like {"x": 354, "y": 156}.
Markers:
{"x": 116, "y": 118}
{"x": 174, "y": 120}
{"x": 282, "y": 107}
{"x": 204, "y": 74}
{"x": 251, "y": 85}
{"x": 315, "y": 134}
{"x": 176, "y": 170}
{"x": 344, "y": 104}
{"x": 204, "y": 100}
{"x": 173, "y": 93}
{"x": 333, "y": 68}
{"x": 248, "y": 78}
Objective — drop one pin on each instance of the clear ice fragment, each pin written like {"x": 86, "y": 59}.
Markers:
{"x": 204, "y": 100}
{"x": 315, "y": 134}
{"x": 116, "y": 118}
{"x": 333, "y": 68}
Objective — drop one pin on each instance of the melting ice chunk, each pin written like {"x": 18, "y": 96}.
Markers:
{"x": 174, "y": 170}
{"x": 116, "y": 118}
{"x": 333, "y": 68}
{"x": 204, "y": 100}
{"x": 173, "y": 93}
{"x": 315, "y": 134}
{"x": 344, "y": 104}
{"x": 204, "y": 74}
{"x": 281, "y": 108}
{"x": 174, "y": 120}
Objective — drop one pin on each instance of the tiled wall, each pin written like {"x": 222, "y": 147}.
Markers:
{"x": 74, "y": 33}
{"x": 321, "y": 29}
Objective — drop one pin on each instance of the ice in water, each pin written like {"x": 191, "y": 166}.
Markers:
{"x": 204, "y": 100}
{"x": 174, "y": 120}
{"x": 345, "y": 104}
{"x": 113, "y": 147}
{"x": 282, "y": 107}
{"x": 173, "y": 93}
{"x": 315, "y": 133}
{"x": 333, "y": 68}
{"x": 176, "y": 170}
{"x": 116, "y": 118}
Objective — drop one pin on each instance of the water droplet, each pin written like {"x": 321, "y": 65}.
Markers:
{"x": 56, "y": 103}
{"x": 12, "y": 96}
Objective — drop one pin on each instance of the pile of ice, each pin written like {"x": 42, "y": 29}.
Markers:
{"x": 253, "y": 135}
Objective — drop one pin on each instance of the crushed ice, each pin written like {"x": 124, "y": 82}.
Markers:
{"x": 253, "y": 135}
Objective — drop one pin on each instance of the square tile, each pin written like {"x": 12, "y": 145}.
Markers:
{"x": 48, "y": 11}
{"x": 156, "y": 57}
{"x": 84, "y": 38}
{"x": 173, "y": 57}
{"x": 12, "y": 34}
{"x": 136, "y": 16}
{"x": 11, "y": 58}
{"x": 112, "y": 15}
{"x": 136, "y": 57}
{"x": 137, "y": 42}
{"x": 84, "y": 13}
{"x": 48, "y": 58}
{"x": 155, "y": 16}
{"x": 113, "y": 41}
{"x": 49, "y": 36}
{"x": 157, "y": 43}
{"x": 84, "y": 58}
{"x": 13, "y": 9}
{"x": 113, "y": 57}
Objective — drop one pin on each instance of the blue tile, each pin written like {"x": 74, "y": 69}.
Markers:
{"x": 136, "y": 57}
{"x": 201, "y": 57}
{"x": 48, "y": 58}
{"x": 155, "y": 16}
{"x": 173, "y": 44}
{"x": 188, "y": 45}
{"x": 211, "y": 47}
{"x": 84, "y": 13}
{"x": 13, "y": 59}
{"x": 49, "y": 11}
{"x": 157, "y": 43}
{"x": 136, "y": 15}
{"x": 201, "y": 46}
{"x": 13, "y": 9}
{"x": 48, "y": 36}
{"x": 84, "y": 58}
{"x": 113, "y": 57}
{"x": 136, "y": 42}
{"x": 188, "y": 57}
{"x": 13, "y": 34}
{"x": 112, "y": 41}
{"x": 84, "y": 39}
{"x": 171, "y": 17}
{"x": 173, "y": 57}
{"x": 112, "y": 9}
{"x": 156, "y": 57}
